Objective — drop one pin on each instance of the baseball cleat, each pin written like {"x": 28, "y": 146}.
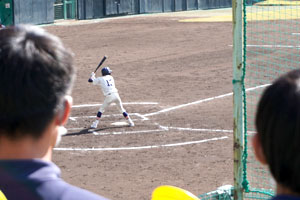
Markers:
{"x": 95, "y": 124}
{"x": 131, "y": 124}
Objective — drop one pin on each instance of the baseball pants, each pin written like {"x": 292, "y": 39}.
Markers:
{"x": 112, "y": 98}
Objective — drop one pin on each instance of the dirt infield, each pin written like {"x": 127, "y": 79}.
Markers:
{"x": 175, "y": 80}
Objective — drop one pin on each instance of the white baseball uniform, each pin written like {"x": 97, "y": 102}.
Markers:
{"x": 110, "y": 92}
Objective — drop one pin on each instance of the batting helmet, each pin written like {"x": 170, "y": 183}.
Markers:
{"x": 106, "y": 71}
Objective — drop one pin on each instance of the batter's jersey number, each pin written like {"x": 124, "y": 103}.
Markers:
{"x": 109, "y": 82}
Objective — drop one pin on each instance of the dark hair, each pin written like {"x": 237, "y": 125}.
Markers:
{"x": 36, "y": 72}
{"x": 278, "y": 127}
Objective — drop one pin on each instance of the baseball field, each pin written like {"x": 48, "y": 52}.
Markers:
{"x": 174, "y": 77}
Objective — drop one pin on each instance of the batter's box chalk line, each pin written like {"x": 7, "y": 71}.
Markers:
{"x": 160, "y": 128}
{"x": 145, "y": 116}
{"x": 163, "y": 129}
{"x": 141, "y": 147}
{"x": 140, "y": 116}
{"x": 127, "y": 103}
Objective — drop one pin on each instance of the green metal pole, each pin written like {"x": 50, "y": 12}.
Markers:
{"x": 238, "y": 96}
{"x": 74, "y": 9}
{"x": 65, "y": 9}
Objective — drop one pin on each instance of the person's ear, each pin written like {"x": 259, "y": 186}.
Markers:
{"x": 258, "y": 151}
{"x": 63, "y": 115}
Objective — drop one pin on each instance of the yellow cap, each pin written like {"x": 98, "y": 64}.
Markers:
{"x": 2, "y": 196}
{"x": 167, "y": 192}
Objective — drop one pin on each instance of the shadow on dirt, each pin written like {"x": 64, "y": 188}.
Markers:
{"x": 90, "y": 130}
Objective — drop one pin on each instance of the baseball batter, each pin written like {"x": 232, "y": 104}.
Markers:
{"x": 110, "y": 92}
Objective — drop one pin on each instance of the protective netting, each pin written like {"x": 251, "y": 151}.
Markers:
{"x": 271, "y": 47}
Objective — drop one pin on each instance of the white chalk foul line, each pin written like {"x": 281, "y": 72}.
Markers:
{"x": 197, "y": 129}
{"x": 128, "y": 103}
{"x": 141, "y": 147}
{"x": 201, "y": 101}
{"x": 187, "y": 104}
{"x": 161, "y": 129}
{"x": 141, "y": 116}
{"x": 274, "y": 46}
{"x": 72, "y": 118}
{"x": 257, "y": 87}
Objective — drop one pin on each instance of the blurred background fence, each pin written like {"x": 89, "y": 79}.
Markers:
{"x": 47, "y": 11}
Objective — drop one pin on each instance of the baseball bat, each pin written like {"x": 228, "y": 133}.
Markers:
{"x": 101, "y": 62}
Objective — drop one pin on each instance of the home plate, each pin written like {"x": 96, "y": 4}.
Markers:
{"x": 119, "y": 123}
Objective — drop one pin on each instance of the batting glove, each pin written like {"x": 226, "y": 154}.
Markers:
{"x": 91, "y": 79}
